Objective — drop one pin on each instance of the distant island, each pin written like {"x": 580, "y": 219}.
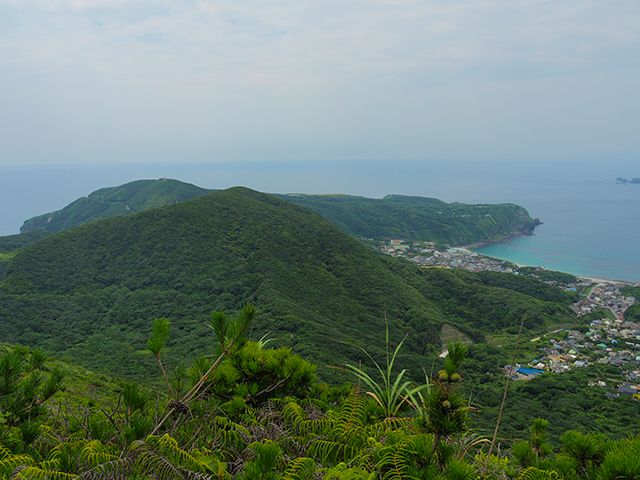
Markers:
{"x": 624, "y": 180}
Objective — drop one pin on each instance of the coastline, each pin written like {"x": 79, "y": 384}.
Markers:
{"x": 507, "y": 238}
{"x": 606, "y": 280}
{"x": 499, "y": 241}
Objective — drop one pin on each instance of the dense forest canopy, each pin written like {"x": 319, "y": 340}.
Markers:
{"x": 107, "y": 202}
{"x": 394, "y": 216}
{"x": 419, "y": 218}
{"x": 88, "y": 293}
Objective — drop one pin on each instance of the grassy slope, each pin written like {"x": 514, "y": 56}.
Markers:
{"x": 90, "y": 293}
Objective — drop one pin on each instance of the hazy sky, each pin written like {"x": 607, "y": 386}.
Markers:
{"x": 102, "y": 81}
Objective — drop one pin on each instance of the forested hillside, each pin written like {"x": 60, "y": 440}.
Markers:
{"x": 107, "y": 202}
{"x": 394, "y": 216}
{"x": 89, "y": 293}
{"x": 11, "y": 244}
{"x": 419, "y": 218}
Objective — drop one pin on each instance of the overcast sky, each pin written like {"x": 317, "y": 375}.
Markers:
{"x": 103, "y": 81}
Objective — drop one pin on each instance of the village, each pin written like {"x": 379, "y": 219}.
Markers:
{"x": 605, "y": 341}
{"x": 609, "y": 340}
{"x": 428, "y": 254}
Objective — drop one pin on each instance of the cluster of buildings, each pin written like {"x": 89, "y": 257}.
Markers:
{"x": 612, "y": 342}
{"x": 608, "y": 342}
{"x": 604, "y": 295}
{"x": 427, "y": 254}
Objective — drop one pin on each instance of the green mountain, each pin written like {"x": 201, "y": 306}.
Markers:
{"x": 90, "y": 293}
{"x": 394, "y": 216}
{"x": 11, "y": 244}
{"x": 419, "y": 218}
{"x": 107, "y": 202}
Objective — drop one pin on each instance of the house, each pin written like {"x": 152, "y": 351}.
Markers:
{"x": 631, "y": 391}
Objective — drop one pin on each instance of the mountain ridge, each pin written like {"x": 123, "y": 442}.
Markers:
{"x": 106, "y": 202}
{"x": 90, "y": 293}
{"x": 409, "y": 217}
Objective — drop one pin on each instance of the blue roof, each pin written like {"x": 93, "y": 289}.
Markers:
{"x": 530, "y": 371}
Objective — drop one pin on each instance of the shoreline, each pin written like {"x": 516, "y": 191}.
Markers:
{"x": 500, "y": 241}
{"x": 507, "y": 238}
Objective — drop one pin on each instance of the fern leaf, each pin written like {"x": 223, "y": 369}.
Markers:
{"x": 94, "y": 453}
{"x": 533, "y": 473}
{"x": 299, "y": 469}
{"x": 396, "y": 460}
{"x": 9, "y": 462}
{"x": 36, "y": 473}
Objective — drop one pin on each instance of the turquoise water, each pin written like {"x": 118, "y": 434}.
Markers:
{"x": 591, "y": 228}
{"x": 591, "y": 225}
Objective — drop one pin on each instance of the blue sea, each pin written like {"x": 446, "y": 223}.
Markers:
{"x": 591, "y": 225}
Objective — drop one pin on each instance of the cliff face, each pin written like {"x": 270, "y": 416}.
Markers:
{"x": 528, "y": 224}
{"x": 36, "y": 223}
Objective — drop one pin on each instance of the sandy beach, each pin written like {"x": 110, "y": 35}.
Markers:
{"x": 605, "y": 280}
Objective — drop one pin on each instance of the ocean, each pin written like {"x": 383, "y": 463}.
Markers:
{"x": 591, "y": 225}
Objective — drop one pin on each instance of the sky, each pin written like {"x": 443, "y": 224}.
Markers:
{"x": 171, "y": 81}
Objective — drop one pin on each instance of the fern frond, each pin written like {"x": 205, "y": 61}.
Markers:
{"x": 9, "y": 462}
{"x": 533, "y": 473}
{"x": 299, "y": 469}
{"x": 49, "y": 464}
{"x": 36, "y": 473}
{"x": 387, "y": 425}
{"x": 213, "y": 464}
{"x": 343, "y": 472}
{"x": 396, "y": 460}
{"x": 232, "y": 436}
{"x": 353, "y": 412}
{"x": 115, "y": 469}
{"x": 94, "y": 453}
{"x": 162, "y": 457}
{"x": 332, "y": 451}
{"x": 326, "y": 450}
{"x": 294, "y": 414}
{"x": 45, "y": 433}
{"x": 4, "y": 453}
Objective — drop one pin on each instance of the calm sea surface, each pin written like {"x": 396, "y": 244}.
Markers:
{"x": 591, "y": 225}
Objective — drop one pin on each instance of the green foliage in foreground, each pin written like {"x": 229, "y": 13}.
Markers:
{"x": 317, "y": 433}
{"x": 24, "y": 386}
